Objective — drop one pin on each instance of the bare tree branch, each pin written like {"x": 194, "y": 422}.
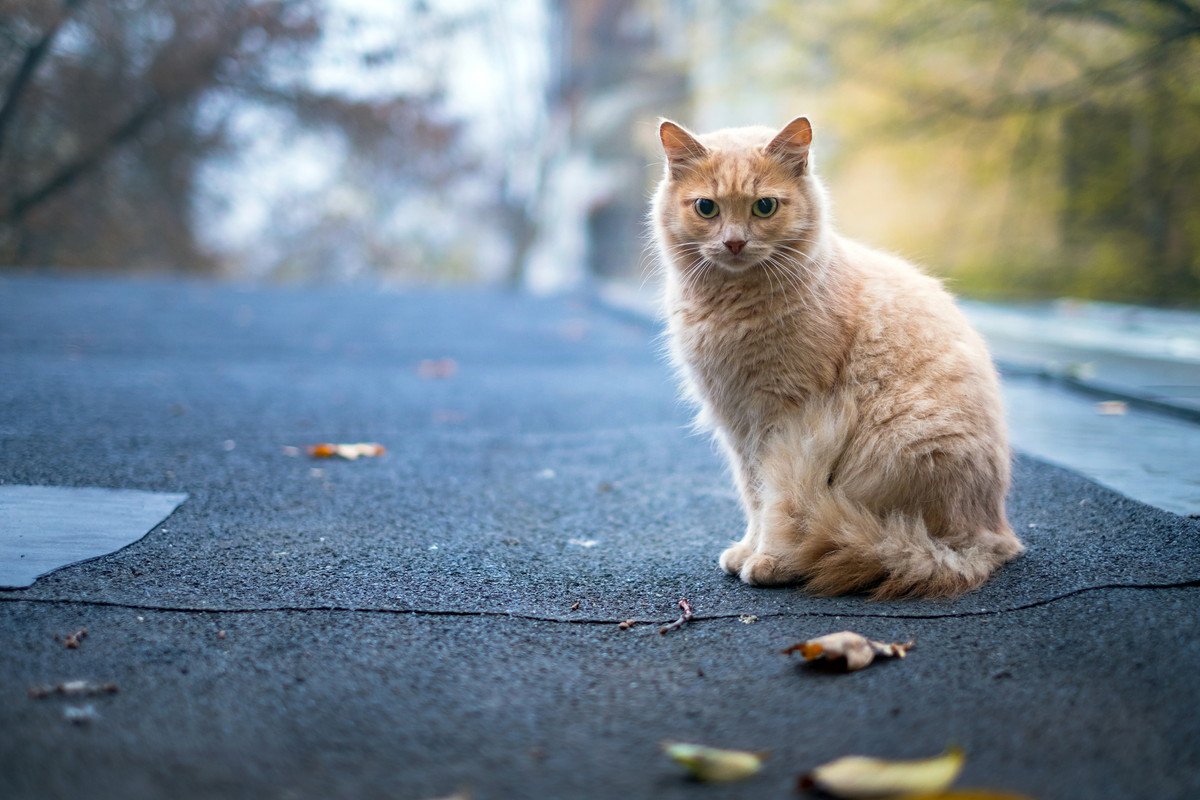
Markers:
{"x": 85, "y": 163}
{"x": 944, "y": 100}
{"x": 29, "y": 65}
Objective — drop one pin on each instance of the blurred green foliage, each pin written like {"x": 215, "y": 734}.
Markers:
{"x": 1073, "y": 124}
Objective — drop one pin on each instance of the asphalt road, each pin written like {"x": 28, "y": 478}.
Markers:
{"x": 446, "y": 616}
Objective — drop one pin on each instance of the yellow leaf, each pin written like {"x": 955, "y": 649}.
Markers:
{"x": 714, "y": 764}
{"x": 966, "y": 794}
{"x": 861, "y": 777}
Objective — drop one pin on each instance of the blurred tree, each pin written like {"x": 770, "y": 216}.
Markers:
{"x": 1104, "y": 95}
{"x": 109, "y": 110}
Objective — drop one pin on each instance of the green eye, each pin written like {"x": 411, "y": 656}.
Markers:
{"x": 765, "y": 206}
{"x": 706, "y": 208}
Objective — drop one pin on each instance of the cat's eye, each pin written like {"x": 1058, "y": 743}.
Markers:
{"x": 765, "y": 206}
{"x": 706, "y": 208}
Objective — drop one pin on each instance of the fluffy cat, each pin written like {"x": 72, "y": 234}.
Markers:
{"x": 859, "y": 411}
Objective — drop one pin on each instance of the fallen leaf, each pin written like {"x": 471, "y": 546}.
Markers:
{"x": 967, "y": 794}
{"x": 461, "y": 794}
{"x": 71, "y": 641}
{"x": 585, "y": 543}
{"x": 437, "y": 368}
{"x": 72, "y": 689}
{"x": 712, "y": 763}
{"x": 861, "y": 777}
{"x": 350, "y": 452}
{"x": 847, "y": 649}
{"x": 1112, "y": 408}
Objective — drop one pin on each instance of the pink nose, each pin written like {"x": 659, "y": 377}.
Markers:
{"x": 735, "y": 245}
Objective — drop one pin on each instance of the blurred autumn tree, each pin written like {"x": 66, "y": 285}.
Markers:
{"x": 1083, "y": 114}
{"x": 109, "y": 111}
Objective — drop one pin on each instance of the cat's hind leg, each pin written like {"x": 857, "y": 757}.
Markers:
{"x": 877, "y": 513}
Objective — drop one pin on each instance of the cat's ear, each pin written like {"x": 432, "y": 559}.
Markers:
{"x": 791, "y": 144}
{"x": 679, "y": 145}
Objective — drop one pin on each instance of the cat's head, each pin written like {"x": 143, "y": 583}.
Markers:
{"x": 738, "y": 198}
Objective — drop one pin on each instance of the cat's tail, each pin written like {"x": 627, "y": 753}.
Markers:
{"x": 841, "y": 546}
{"x": 847, "y": 548}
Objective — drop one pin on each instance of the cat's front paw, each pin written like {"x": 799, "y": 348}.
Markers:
{"x": 760, "y": 569}
{"x": 735, "y": 556}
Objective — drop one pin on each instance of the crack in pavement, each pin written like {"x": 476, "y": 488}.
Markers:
{"x": 516, "y": 615}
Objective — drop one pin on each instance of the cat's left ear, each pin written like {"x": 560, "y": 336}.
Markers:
{"x": 792, "y": 143}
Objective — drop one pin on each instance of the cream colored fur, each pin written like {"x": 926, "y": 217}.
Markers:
{"x": 859, "y": 411}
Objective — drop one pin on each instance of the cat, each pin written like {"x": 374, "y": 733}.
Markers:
{"x": 859, "y": 411}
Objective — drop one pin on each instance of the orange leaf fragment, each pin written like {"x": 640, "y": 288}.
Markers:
{"x": 350, "y": 452}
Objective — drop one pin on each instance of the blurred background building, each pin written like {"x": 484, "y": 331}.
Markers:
{"x": 1020, "y": 148}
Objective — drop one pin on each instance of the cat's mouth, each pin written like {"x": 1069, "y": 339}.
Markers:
{"x": 748, "y": 258}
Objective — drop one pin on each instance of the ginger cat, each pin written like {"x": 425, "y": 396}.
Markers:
{"x": 859, "y": 411}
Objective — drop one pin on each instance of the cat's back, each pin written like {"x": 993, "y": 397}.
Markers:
{"x": 900, "y": 302}
{"x": 912, "y": 344}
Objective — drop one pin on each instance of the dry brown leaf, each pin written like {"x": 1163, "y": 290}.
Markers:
{"x": 848, "y": 649}
{"x": 712, "y": 763}
{"x": 855, "y": 777}
{"x": 72, "y": 689}
{"x": 71, "y": 640}
{"x": 461, "y": 794}
{"x": 967, "y": 794}
{"x": 350, "y": 452}
{"x": 437, "y": 368}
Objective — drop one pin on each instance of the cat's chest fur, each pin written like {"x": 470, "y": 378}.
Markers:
{"x": 749, "y": 357}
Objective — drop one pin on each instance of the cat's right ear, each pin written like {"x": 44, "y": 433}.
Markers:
{"x": 681, "y": 147}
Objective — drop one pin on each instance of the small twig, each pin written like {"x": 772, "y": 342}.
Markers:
{"x": 683, "y": 619}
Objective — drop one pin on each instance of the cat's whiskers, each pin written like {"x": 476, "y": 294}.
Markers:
{"x": 802, "y": 259}
{"x": 788, "y": 276}
{"x": 695, "y": 272}
{"x": 769, "y": 269}
{"x": 659, "y": 259}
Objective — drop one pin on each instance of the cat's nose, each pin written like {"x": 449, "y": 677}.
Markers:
{"x": 735, "y": 245}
